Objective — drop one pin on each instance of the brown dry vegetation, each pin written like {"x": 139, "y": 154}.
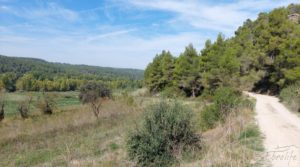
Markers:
{"x": 72, "y": 137}
{"x": 230, "y": 144}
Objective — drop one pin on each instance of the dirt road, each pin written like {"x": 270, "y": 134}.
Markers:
{"x": 281, "y": 129}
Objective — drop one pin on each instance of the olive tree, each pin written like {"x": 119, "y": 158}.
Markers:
{"x": 46, "y": 103}
{"x": 24, "y": 106}
{"x": 94, "y": 94}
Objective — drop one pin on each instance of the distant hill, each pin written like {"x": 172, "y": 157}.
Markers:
{"x": 20, "y": 65}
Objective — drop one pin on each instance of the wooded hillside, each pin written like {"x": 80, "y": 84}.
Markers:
{"x": 36, "y": 74}
{"x": 263, "y": 56}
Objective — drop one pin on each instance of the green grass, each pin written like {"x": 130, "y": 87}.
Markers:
{"x": 113, "y": 146}
{"x": 251, "y": 137}
{"x": 33, "y": 158}
{"x": 62, "y": 100}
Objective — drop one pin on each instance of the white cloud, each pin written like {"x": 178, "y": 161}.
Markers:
{"x": 222, "y": 17}
{"x": 52, "y": 10}
{"x": 108, "y": 35}
{"x": 48, "y": 11}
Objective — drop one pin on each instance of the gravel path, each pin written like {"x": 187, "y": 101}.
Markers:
{"x": 281, "y": 129}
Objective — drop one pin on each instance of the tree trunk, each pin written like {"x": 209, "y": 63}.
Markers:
{"x": 2, "y": 112}
{"x": 193, "y": 93}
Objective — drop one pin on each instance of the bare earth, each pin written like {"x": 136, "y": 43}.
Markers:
{"x": 281, "y": 129}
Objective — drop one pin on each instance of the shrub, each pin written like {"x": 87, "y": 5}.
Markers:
{"x": 166, "y": 131}
{"x": 172, "y": 92}
{"x": 128, "y": 99}
{"x": 291, "y": 96}
{"x": 94, "y": 94}
{"x": 46, "y": 104}
{"x": 208, "y": 117}
{"x": 226, "y": 99}
{"x": 24, "y": 107}
{"x": 23, "y": 110}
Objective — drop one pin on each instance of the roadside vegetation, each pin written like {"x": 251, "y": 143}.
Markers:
{"x": 165, "y": 133}
{"x": 291, "y": 96}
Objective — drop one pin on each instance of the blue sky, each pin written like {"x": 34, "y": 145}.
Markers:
{"x": 118, "y": 33}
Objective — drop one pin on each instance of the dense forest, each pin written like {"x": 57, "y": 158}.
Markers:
{"x": 31, "y": 74}
{"x": 262, "y": 56}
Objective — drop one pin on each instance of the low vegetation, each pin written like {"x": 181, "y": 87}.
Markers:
{"x": 291, "y": 96}
{"x": 226, "y": 101}
{"x": 166, "y": 132}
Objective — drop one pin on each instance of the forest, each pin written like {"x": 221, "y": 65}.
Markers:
{"x": 29, "y": 74}
{"x": 262, "y": 56}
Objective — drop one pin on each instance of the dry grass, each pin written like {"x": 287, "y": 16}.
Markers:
{"x": 225, "y": 145}
{"x": 74, "y": 137}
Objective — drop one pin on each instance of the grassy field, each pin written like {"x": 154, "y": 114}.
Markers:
{"x": 63, "y": 100}
{"x": 72, "y": 136}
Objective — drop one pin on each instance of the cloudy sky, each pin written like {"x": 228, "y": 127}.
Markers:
{"x": 118, "y": 33}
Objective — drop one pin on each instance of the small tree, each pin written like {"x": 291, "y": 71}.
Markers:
{"x": 2, "y": 112}
{"x": 24, "y": 107}
{"x": 46, "y": 103}
{"x": 2, "y": 105}
{"x": 94, "y": 94}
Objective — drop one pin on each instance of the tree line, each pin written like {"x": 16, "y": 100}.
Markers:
{"x": 30, "y": 74}
{"x": 263, "y": 56}
{"x": 29, "y": 82}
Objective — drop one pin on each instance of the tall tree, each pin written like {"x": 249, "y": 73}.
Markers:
{"x": 187, "y": 72}
{"x": 159, "y": 73}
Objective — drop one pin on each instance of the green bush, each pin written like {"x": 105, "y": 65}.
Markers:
{"x": 208, "y": 117}
{"x": 226, "y": 99}
{"x": 165, "y": 132}
{"x": 291, "y": 96}
{"x": 127, "y": 98}
{"x": 172, "y": 92}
